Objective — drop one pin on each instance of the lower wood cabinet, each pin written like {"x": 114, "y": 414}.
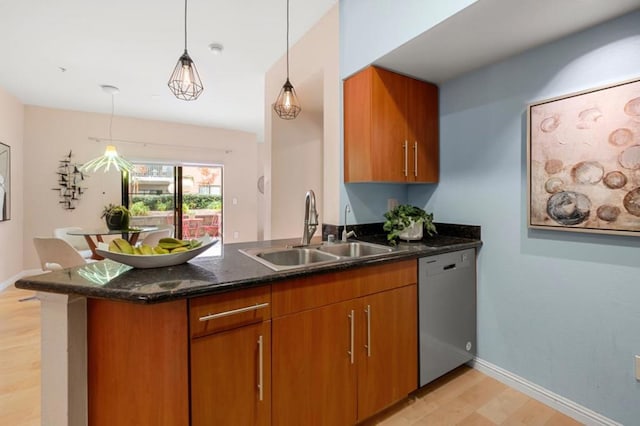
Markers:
{"x": 230, "y": 380}
{"x": 230, "y": 358}
{"x": 313, "y": 380}
{"x": 340, "y": 363}
{"x": 327, "y": 349}
{"x": 388, "y": 352}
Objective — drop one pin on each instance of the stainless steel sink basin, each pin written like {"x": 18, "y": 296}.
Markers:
{"x": 355, "y": 249}
{"x": 284, "y": 258}
{"x": 281, "y": 258}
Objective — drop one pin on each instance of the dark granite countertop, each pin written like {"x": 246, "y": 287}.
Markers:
{"x": 208, "y": 275}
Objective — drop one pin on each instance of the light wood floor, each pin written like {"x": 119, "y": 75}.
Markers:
{"x": 463, "y": 397}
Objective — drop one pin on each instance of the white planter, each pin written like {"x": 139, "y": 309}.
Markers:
{"x": 413, "y": 232}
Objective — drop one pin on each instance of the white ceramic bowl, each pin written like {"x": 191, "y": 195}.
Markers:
{"x": 158, "y": 260}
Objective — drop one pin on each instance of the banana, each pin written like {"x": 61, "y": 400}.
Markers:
{"x": 160, "y": 250}
{"x": 165, "y": 246}
{"x": 179, "y": 249}
{"x": 146, "y": 249}
{"x": 121, "y": 245}
{"x": 172, "y": 243}
{"x": 113, "y": 247}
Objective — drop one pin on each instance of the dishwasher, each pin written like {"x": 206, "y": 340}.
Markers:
{"x": 446, "y": 312}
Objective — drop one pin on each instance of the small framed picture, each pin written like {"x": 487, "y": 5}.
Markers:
{"x": 5, "y": 182}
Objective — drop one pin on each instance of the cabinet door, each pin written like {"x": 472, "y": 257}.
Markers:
{"x": 389, "y": 143}
{"x": 387, "y": 349}
{"x": 314, "y": 380}
{"x": 375, "y": 143}
{"x": 227, "y": 370}
{"x": 422, "y": 131}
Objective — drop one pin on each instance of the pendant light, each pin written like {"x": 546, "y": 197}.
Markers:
{"x": 287, "y": 106}
{"x": 185, "y": 81}
{"x": 110, "y": 156}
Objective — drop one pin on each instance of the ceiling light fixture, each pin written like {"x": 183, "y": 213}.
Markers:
{"x": 185, "y": 81}
{"x": 287, "y": 106}
{"x": 216, "y": 48}
{"x": 110, "y": 156}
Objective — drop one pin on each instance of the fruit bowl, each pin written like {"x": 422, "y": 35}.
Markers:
{"x": 142, "y": 261}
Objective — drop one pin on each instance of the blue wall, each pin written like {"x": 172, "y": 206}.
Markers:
{"x": 559, "y": 309}
{"x": 370, "y": 29}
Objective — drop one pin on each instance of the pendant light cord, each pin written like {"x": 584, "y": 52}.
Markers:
{"x": 287, "y": 40}
{"x": 111, "y": 118}
{"x": 185, "y": 25}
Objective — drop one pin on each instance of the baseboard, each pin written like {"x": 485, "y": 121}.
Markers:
{"x": 555, "y": 401}
{"x": 9, "y": 281}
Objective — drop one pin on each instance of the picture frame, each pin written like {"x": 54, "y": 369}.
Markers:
{"x": 583, "y": 161}
{"x": 5, "y": 182}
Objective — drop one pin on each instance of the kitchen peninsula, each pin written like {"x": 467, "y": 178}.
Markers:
{"x": 228, "y": 338}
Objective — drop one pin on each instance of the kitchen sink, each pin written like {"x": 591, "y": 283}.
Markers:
{"x": 284, "y": 258}
{"x": 355, "y": 249}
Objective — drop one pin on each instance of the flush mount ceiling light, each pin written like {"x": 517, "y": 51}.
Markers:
{"x": 185, "y": 81}
{"x": 110, "y": 156}
{"x": 216, "y": 48}
{"x": 287, "y": 106}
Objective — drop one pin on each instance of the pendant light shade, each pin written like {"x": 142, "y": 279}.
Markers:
{"x": 110, "y": 156}
{"x": 185, "y": 81}
{"x": 287, "y": 105}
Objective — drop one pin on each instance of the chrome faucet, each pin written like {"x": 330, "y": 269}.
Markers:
{"x": 345, "y": 234}
{"x": 310, "y": 217}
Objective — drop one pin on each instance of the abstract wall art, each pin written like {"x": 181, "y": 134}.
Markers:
{"x": 583, "y": 152}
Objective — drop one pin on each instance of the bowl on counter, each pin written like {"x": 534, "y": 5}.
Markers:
{"x": 142, "y": 261}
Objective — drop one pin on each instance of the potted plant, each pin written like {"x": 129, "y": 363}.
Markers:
{"x": 406, "y": 222}
{"x": 116, "y": 217}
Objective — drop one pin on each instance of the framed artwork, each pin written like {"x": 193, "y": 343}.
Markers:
{"x": 5, "y": 182}
{"x": 583, "y": 161}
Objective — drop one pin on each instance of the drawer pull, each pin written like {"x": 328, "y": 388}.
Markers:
{"x": 260, "y": 370}
{"x": 405, "y": 148}
{"x": 234, "y": 311}
{"x": 368, "y": 345}
{"x": 415, "y": 158}
{"x": 351, "y": 334}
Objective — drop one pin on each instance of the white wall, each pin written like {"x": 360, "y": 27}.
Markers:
{"x": 296, "y": 168}
{"x": 313, "y": 58}
{"x": 50, "y": 134}
{"x": 11, "y": 240}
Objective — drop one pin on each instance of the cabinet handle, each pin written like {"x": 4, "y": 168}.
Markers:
{"x": 415, "y": 158}
{"x": 260, "y": 370}
{"x": 405, "y": 148}
{"x": 234, "y": 311}
{"x": 351, "y": 321}
{"x": 368, "y": 345}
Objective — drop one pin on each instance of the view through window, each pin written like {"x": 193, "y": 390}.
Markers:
{"x": 154, "y": 191}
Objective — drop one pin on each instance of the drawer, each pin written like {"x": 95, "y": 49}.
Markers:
{"x": 311, "y": 292}
{"x": 211, "y": 314}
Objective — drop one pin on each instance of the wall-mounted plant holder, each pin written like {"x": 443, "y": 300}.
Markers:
{"x": 70, "y": 180}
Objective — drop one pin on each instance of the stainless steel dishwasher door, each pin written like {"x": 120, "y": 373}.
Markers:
{"x": 446, "y": 312}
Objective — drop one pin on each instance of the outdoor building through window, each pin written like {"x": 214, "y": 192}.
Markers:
{"x": 186, "y": 197}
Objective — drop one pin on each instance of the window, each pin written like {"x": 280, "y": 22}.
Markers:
{"x": 154, "y": 191}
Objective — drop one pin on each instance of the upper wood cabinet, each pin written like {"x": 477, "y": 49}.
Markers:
{"x": 390, "y": 128}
